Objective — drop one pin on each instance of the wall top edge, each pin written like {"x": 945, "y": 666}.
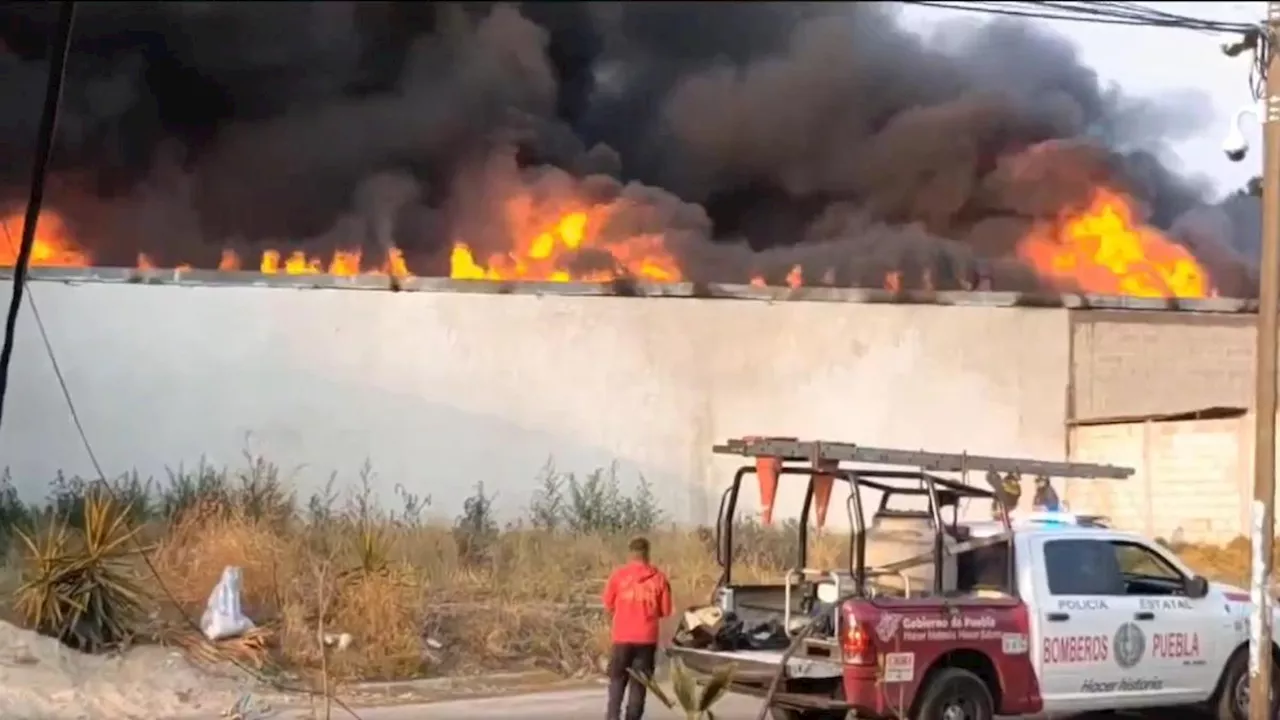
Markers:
{"x": 621, "y": 288}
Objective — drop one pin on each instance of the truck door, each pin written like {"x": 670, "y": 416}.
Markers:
{"x": 1092, "y": 652}
{"x": 1178, "y": 630}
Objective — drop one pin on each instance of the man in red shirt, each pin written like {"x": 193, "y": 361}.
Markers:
{"x": 639, "y": 596}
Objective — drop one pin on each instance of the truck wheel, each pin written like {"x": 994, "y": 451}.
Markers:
{"x": 954, "y": 694}
{"x": 1233, "y": 701}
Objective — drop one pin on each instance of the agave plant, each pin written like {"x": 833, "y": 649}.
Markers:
{"x": 694, "y": 702}
{"x": 373, "y": 544}
{"x": 80, "y": 587}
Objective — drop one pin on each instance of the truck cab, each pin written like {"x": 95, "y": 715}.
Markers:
{"x": 1119, "y": 622}
{"x": 1026, "y": 614}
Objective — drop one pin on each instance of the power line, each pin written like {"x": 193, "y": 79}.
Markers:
{"x": 1139, "y": 10}
{"x": 1136, "y": 11}
{"x": 1124, "y": 14}
{"x": 1113, "y": 13}
{"x": 1129, "y": 14}
{"x": 59, "y": 48}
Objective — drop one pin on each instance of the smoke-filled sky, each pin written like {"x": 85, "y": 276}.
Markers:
{"x": 1175, "y": 66}
{"x": 828, "y": 126}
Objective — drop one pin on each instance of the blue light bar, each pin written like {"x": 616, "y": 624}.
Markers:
{"x": 1048, "y": 517}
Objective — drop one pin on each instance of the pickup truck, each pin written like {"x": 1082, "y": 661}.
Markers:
{"x": 1040, "y": 613}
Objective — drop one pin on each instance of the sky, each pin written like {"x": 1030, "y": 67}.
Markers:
{"x": 1174, "y": 66}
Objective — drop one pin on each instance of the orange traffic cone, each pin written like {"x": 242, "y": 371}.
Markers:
{"x": 822, "y": 490}
{"x": 767, "y": 470}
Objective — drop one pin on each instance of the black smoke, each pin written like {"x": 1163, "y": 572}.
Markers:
{"x": 755, "y": 135}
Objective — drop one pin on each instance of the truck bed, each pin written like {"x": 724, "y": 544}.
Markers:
{"x": 756, "y": 665}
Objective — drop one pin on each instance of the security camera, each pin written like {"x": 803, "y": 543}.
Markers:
{"x": 1235, "y": 145}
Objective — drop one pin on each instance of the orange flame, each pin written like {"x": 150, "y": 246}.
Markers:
{"x": 1099, "y": 250}
{"x": 793, "y": 280}
{"x": 345, "y": 263}
{"x": 53, "y": 247}
{"x": 550, "y": 251}
{"x": 1103, "y": 250}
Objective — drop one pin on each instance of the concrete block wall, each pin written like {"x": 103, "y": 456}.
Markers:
{"x": 1131, "y": 363}
{"x": 1200, "y": 479}
{"x": 1193, "y": 479}
{"x": 1124, "y": 501}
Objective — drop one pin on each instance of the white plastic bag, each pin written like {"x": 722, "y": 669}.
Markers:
{"x": 223, "y": 617}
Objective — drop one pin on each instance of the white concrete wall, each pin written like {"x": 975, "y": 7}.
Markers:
{"x": 1193, "y": 479}
{"x": 441, "y": 390}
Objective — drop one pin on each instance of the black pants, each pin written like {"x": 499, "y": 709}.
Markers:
{"x": 639, "y": 658}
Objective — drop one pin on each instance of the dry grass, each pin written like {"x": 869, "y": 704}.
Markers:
{"x": 529, "y": 604}
{"x": 529, "y": 601}
{"x": 1224, "y": 563}
{"x": 498, "y": 599}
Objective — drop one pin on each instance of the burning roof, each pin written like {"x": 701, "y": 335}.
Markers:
{"x": 1099, "y": 250}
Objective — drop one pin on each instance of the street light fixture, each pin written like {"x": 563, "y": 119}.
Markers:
{"x": 1235, "y": 145}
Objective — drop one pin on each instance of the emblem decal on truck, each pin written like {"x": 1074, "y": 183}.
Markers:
{"x": 888, "y": 626}
{"x": 1129, "y": 645}
{"x": 935, "y": 628}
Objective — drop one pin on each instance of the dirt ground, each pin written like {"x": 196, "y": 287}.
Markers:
{"x": 42, "y": 680}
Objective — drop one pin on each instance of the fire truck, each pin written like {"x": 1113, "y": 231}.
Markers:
{"x": 944, "y": 616}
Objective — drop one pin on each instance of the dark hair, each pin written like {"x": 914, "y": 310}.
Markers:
{"x": 639, "y": 547}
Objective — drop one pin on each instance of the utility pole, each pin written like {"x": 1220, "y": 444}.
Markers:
{"x": 1264, "y": 463}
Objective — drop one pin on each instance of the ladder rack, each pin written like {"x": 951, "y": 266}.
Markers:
{"x": 791, "y": 449}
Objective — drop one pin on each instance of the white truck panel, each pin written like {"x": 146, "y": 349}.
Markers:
{"x": 1098, "y": 650}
